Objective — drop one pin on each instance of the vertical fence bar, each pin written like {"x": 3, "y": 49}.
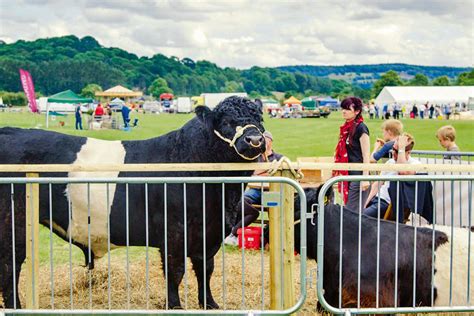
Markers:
{"x": 69, "y": 209}
{"x": 451, "y": 242}
{"x": 204, "y": 243}
{"x": 32, "y": 243}
{"x": 359, "y": 237}
{"x": 242, "y": 249}
{"x": 51, "y": 270}
{"x": 127, "y": 230}
{"x": 377, "y": 278}
{"x": 109, "y": 298}
{"x": 165, "y": 193}
{"x": 433, "y": 244}
{"x": 89, "y": 242}
{"x": 396, "y": 243}
{"x": 340, "y": 247}
{"x": 469, "y": 245}
{"x": 262, "y": 247}
{"x": 12, "y": 196}
{"x": 414, "y": 244}
{"x": 147, "y": 246}
{"x": 223, "y": 247}
{"x": 185, "y": 222}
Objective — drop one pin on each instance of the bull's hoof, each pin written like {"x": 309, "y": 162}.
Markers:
{"x": 209, "y": 305}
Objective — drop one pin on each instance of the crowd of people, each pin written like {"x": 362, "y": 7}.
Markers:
{"x": 102, "y": 112}
{"x": 424, "y": 111}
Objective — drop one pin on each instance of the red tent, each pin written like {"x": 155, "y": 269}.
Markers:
{"x": 166, "y": 96}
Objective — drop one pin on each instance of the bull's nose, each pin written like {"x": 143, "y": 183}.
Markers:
{"x": 254, "y": 140}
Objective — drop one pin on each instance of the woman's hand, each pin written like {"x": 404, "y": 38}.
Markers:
{"x": 364, "y": 185}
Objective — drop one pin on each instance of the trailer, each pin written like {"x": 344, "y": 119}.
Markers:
{"x": 211, "y": 100}
{"x": 184, "y": 105}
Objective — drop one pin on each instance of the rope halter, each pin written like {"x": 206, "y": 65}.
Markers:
{"x": 239, "y": 131}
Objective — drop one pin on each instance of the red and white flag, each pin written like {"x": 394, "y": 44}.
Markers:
{"x": 29, "y": 88}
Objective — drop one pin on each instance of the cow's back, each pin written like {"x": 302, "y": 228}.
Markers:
{"x": 35, "y": 146}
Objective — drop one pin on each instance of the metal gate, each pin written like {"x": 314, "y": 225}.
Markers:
{"x": 130, "y": 279}
{"x": 371, "y": 265}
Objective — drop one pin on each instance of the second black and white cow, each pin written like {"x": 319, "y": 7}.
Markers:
{"x": 443, "y": 238}
{"x": 232, "y": 132}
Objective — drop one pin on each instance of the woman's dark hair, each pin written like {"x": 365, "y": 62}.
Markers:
{"x": 356, "y": 104}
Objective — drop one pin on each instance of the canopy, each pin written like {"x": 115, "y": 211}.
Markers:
{"x": 166, "y": 96}
{"x": 421, "y": 95}
{"x": 292, "y": 100}
{"x": 68, "y": 97}
{"x": 308, "y": 103}
{"x": 118, "y": 91}
{"x": 117, "y": 101}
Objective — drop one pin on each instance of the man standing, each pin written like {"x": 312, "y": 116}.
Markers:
{"x": 253, "y": 195}
{"x": 78, "y": 115}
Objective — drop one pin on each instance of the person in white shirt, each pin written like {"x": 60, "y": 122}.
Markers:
{"x": 401, "y": 154}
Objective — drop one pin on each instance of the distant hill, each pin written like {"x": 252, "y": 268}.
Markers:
{"x": 366, "y": 75}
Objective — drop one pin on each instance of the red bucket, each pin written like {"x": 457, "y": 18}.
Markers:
{"x": 252, "y": 235}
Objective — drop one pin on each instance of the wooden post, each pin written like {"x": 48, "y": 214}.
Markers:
{"x": 32, "y": 243}
{"x": 282, "y": 247}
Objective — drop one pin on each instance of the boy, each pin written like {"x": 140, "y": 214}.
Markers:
{"x": 391, "y": 130}
{"x": 446, "y": 136}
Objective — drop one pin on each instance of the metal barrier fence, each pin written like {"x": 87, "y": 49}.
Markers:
{"x": 442, "y": 157}
{"x": 370, "y": 265}
{"x": 102, "y": 214}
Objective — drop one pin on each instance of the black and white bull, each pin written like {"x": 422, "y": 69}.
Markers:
{"x": 205, "y": 138}
{"x": 442, "y": 239}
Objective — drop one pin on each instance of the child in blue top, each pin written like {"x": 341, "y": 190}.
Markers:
{"x": 382, "y": 148}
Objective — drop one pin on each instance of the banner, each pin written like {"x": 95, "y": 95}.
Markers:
{"x": 29, "y": 88}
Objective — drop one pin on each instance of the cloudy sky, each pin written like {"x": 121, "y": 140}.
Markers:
{"x": 243, "y": 33}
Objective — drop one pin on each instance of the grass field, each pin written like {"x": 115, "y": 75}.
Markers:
{"x": 292, "y": 137}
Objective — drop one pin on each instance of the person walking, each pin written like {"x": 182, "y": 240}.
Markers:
{"x": 353, "y": 147}
{"x": 78, "y": 115}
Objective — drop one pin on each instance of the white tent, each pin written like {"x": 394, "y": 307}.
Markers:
{"x": 421, "y": 95}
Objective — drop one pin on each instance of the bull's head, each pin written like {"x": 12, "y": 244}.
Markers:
{"x": 238, "y": 122}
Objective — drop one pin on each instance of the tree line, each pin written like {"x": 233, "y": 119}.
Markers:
{"x": 85, "y": 66}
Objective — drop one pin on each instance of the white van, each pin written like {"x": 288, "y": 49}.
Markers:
{"x": 184, "y": 105}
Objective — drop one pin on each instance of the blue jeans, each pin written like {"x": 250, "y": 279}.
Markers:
{"x": 78, "y": 123}
{"x": 372, "y": 208}
{"x": 251, "y": 196}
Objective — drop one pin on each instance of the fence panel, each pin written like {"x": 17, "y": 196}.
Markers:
{"x": 368, "y": 264}
{"x": 136, "y": 216}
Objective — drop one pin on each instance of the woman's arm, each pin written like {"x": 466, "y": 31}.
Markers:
{"x": 365, "y": 148}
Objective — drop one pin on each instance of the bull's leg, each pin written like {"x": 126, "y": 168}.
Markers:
{"x": 9, "y": 287}
{"x": 175, "y": 275}
{"x": 198, "y": 269}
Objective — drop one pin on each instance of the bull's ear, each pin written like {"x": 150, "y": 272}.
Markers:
{"x": 259, "y": 104}
{"x": 205, "y": 115}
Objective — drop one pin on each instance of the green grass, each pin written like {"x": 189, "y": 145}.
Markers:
{"x": 292, "y": 137}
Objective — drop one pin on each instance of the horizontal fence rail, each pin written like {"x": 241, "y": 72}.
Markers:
{"x": 395, "y": 256}
{"x": 133, "y": 277}
{"x": 424, "y": 167}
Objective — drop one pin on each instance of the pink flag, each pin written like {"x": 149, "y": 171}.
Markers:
{"x": 29, "y": 88}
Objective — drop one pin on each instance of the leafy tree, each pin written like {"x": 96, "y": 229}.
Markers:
{"x": 90, "y": 90}
{"x": 159, "y": 86}
{"x": 390, "y": 78}
{"x": 232, "y": 86}
{"x": 466, "y": 79}
{"x": 13, "y": 98}
{"x": 419, "y": 80}
{"x": 441, "y": 81}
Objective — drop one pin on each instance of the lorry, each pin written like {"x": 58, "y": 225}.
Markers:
{"x": 211, "y": 100}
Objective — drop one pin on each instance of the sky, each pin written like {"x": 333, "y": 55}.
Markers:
{"x": 266, "y": 33}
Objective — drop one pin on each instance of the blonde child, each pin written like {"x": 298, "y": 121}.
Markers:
{"x": 446, "y": 136}
{"x": 391, "y": 130}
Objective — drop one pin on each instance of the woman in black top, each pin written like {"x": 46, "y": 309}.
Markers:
{"x": 353, "y": 146}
